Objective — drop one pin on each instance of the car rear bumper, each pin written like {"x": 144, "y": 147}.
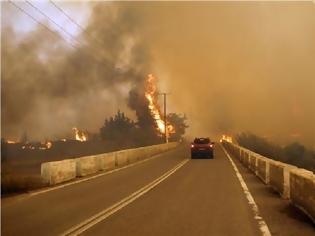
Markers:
{"x": 202, "y": 153}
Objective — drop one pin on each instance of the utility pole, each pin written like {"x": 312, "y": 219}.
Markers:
{"x": 165, "y": 115}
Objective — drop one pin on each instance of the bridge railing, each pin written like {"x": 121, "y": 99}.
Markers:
{"x": 61, "y": 171}
{"x": 291, "y": 182}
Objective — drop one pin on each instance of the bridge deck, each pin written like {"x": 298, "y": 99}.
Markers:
{"x": 204, "y": 197}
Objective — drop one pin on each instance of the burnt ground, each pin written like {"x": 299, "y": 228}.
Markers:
{"x": 27, "y": 162}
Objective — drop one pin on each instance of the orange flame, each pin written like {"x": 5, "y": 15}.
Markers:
{"x": 48, "y": 144}
{"x": 226, "y": 138}
{"x": 79, "y": 135}
{"x": 151, "y": 96}
{"x": 43, "y": 146}
{"x": 11, "y": 141}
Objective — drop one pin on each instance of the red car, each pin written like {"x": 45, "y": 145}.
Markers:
{"x": 202, "y": 147}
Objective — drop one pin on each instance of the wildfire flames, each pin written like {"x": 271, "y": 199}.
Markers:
{"x": 79, "y": 135}
{"x": 45, "y": 145}
{"x": 226, "y": 138}
{"x": 151, "y": 96}
{"x": 48, "y": 144}
{"x": 40, "y": 146}
{"x": 11, "y": 142}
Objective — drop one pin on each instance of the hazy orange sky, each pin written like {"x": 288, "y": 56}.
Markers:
{"x": 238, "y": 67}
{"x": 231, "y": 67}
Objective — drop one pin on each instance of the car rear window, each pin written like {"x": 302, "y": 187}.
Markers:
{"x": 202, "y": 140}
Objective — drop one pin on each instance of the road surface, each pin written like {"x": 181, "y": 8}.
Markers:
{"x": 200, "y": 197}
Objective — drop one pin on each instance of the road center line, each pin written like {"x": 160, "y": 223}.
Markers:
{"x": 90, "y": 222}
{"x": 263, "y": 227}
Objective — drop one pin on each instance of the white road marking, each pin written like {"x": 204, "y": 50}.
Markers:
{"x": 263, "y": 227}
{"x": 90, "y": 222}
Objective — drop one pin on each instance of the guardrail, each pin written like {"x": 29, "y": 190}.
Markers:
{"x": 291, "y": 182}
{"x": 61, "y": 171}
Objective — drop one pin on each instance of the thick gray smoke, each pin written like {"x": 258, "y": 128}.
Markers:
{"x": 231, "y": 67}
{"x": 48, "y": 88}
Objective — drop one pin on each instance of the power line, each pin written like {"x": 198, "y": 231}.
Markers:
{"x": 51, "y": 20}
{"x": 100, "y": 57}
{"x": 67, "y": 15}
{"x": 94, "y": 56}
{"x": 40, "y": 23}
{"x": 76, "y": 23}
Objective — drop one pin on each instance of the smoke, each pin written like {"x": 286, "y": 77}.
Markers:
{"x": 48, "y": 88}
{"x": 237, "y": 67}
{"x": 231, "y": 67}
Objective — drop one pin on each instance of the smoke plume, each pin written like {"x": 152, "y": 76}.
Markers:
{"x": 230, "y": 66}
{"x": 48, "y": 88}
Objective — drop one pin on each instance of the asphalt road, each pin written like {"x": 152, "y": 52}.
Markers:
{"x": 203, "y": 197}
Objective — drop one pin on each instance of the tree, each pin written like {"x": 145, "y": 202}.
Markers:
{"x": 117, "y": 128}
{"x": 124, "y": 131}
{"x": 294, "y": 153}
{"x": 179, "y": 123}
{"x": 146, "y": 126}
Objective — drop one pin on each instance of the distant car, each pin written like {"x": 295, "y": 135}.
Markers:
{"x": 202, "y": 147}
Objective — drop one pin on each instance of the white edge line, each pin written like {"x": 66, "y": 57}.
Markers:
{"x": 91, "y": 177}
{"x": 263, "y": 227}
{"x": 95, "y": 219}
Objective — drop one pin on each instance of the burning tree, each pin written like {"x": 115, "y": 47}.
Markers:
{"x": 151, "y": 94}
{"x": 146, "y": 124}
{"x": 149, "y": 127}
{"x": 143, "y": 99}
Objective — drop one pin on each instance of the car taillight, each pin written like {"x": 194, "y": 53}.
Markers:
{"x": 211, "y": 145}
{"x": 192, "y": 145}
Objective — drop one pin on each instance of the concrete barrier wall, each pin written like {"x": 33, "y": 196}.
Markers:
{"x": 247, "y": 159}
{"x": 280, "y": 177}
{"x": 302, "y": 191}
{"x": 145, "y": 152}
{"x": 252, "y": 162}
{"x": 86, "y": 165}
{"x": 61, "y": 171}
{"x": 58, "y": 171}
{"x": 106, "y": 161}
{"x": 122, "y": 158}
{"x": 277, "y": 176}
{"x": 242, "y": 156}
{"x": 134, "y": 156}
{"x": 262, "y": 169}
{"x": 291, "y": 182}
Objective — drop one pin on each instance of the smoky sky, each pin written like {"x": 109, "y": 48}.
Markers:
{"x": 231, "y": 67}
{"x": 49, "y": 87}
